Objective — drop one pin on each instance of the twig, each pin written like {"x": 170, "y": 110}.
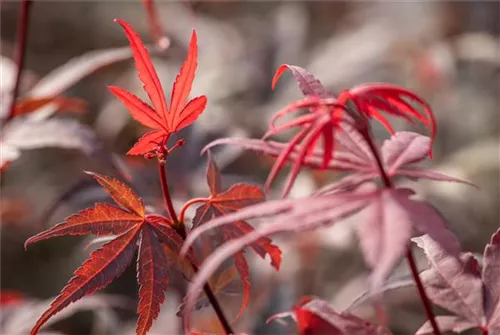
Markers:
{"x": 182, "y": 231}
{"x": 20, "y": 53}
{"x": 365, "y": 132}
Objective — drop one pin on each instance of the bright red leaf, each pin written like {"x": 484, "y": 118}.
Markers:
{"x": 221, "y": 203}
{"x": 136, "y": 230}
{"x": 163, "y": 119}
{"x": 327, "y": 112}
{"x": 317, "y": 317}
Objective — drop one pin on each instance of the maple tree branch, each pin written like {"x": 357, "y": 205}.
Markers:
{"x": 166, "y": 194}
{"x": 187, "y": 205}
{"x": 365, "y": 132}
{"x": 20, "y": 53}
{"x": 421, "y": 291}
{"x": 409, "y": 254}
{"x": 181, "y": 229}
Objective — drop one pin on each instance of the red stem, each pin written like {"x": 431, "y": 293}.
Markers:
{"x": 421, "y": 291}
{"x": 181, "y": 229}
{"x": 409, "y": 255}
{"x": 20, "y": 53}
{"x": 187, "y": 205}
{"x": 166, "y": 194}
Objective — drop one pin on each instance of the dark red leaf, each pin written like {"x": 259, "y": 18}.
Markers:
{"x": 152, "y": 276}
{"x": 152, "y": 234}
{"x": 97, "y": 272}
{"x": 221, "y": 203}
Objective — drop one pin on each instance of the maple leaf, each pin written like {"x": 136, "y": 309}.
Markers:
{"x": 220, "y": 203}
{"x": 463, "y": 287}
{"x": 164, "y": 120}
{"x": 387, "y": 220}
{"x": 135, "y": 230}
{"x": 316, "y": 317}
{"x": 326, "y": 113}
{"x": 400, "y": 156}
{"x": 373, "y": 98}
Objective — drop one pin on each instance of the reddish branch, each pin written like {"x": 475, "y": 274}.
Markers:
{"x": 20, "y": 53}
{"x": 409, "y": 255}
{"x": 182, "y": 231}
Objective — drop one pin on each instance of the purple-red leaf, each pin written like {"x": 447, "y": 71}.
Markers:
{"x": 460, "y": 286}
{"x": 281, "y": 216}
{"x": 308, "y": 84}
{"x": 446, "y": 324}
{"x": 491, "y": 275}
{"x": 221, "y": 203}
{"x": 384, "y": 230}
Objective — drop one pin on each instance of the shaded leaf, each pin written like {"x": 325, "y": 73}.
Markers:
{"x": 221, "y": 203}
{"x": 67, "y": 75}
{"x": 30, "y": 105}
{"x": 20, "y": 135}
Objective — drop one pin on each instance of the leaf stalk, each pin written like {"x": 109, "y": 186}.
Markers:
{"x": 20, "y": 53}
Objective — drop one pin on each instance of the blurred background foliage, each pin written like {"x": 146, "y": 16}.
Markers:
{"x": 448, "y": 52}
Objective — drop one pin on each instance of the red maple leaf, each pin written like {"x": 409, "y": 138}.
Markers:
{"x": 135, "y": 230}
{"x": 164, "y": 120}
{"x": 400, "y": 156}
{"x": 316, "y": 317}
{"x": 327, "y": 112}
{"x": 221, "y": 203}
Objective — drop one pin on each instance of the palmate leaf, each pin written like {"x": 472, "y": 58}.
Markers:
{"x": 317, "y": 317}
{"x": 464, "y": 288}
{"x": 135, "y": 230}
{"x": 165, "y": 120}
{"x": 221, "y": 203}
{"x": 387, "y": 220}
{"x": 327, "y": 112}
{"x": 400, "y": 154}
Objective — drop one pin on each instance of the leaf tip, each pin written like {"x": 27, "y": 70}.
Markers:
{"x": 278, "y": 74}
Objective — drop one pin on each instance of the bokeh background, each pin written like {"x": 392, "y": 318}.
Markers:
{"x": 448, "y": 52}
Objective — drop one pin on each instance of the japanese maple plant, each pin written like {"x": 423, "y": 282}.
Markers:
{"x": 334, "y": 133}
